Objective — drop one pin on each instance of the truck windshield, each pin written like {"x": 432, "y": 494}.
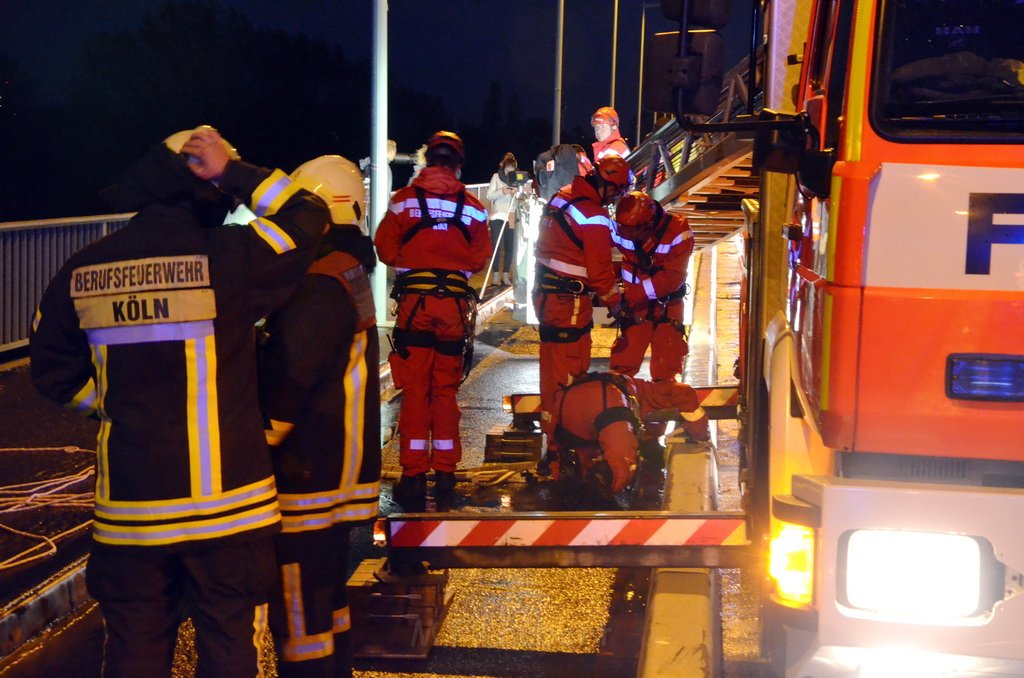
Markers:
{"x": 949, "y": 69}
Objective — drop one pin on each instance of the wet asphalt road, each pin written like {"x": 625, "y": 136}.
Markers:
{"x": 501, "y": 622}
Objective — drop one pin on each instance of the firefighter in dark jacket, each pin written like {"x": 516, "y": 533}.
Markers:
{"x": 320, "y": 393}
{"x": 656, "y": 248}
{"x": 435, "y": 235}
{"x": 152, "y": 330}
{"x": 574, "y": 264}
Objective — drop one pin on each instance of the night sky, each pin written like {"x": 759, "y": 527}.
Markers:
{"x": 78, "y": 108}
{"x": 455, "y": 47}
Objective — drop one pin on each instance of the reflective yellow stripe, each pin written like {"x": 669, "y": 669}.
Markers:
{"x": 254, "y": 493}
{"x": 291, "y": 581}
{"x": 342, "y": 620}
{"x": 307, "y": 522}
{"x": 356, "y": 376}
{"x": 695, "y": 415}
{"x": 259, "y": 636}
{"x": 203, "y": 415}
{"x": 305, "y": 648}
{"x": 143, "y": 529}
{"x": 192, "y": 415}
{"x": 186, "y": 531}
{"x": 281, "y": 183}
{"x": 99, "y": 362}
{"x": 298, "y": 646}
{"x": 35, "y": 320}
{"x": 329, "y": 498}
{"x": 856, "y": 107}
{"x": 272, "y": 234}
{"x": 85, "y": 400}
{"x": 213, "y": 416}
{"x": 826, "y": 353}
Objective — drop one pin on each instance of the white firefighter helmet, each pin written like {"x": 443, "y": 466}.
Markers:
{"x": 339, "y": 183}
{"x": 178, "y": 139}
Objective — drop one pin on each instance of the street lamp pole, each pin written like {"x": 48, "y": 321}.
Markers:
{"x": 378, "y": 150}
{"x": 640, "y": 87}
{"x": 556, "y": 132}
{"x": 615, "y": 50}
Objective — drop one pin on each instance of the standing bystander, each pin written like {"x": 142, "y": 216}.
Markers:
{"x": 500, "y": 193}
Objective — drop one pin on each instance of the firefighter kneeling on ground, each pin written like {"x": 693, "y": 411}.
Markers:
{"x": 656, "y": 248}
{"x": 435, "y": 235}
{"x": 599, "y": 426}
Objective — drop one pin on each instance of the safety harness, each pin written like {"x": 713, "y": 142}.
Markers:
{"x": 657, "y": 309}
{"x": 607, "y": 416}
{"x": 439, "y": 283}
{"x": 550, "y": 281}
{"x": 429, "y": 221}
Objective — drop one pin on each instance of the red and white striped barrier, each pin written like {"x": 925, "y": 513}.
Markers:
{"x": 567, "y": 532}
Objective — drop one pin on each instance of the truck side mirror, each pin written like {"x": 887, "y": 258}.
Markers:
{"x": 696, "y": 76}
{"x": 815, "y": 172}
{"x": 790, "y": 145}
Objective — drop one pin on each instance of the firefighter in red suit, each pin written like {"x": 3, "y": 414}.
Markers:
{"x": 435, "y": 235}
{"x": 574, "y": 261}
{"x": 605, "y": 122}
{"x": 606, "y": 417}
{"x": 320, "y": 394}
{"x": 656, "y": 249}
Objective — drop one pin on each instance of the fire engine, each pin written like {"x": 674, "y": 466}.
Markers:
{"x": 882, "y": 362}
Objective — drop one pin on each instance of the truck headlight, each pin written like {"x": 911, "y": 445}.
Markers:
{"x": 792, "y": 563}
{"x": 923, "y": 577}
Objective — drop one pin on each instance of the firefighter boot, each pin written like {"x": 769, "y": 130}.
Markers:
{"x": 444, "y": 482}
{"x": 652, "y": 454}
{"x": 411, "y": 491}
{"x": 547, "y": 467}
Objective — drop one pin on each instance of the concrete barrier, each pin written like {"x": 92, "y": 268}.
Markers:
{"x": 682, "y": 635}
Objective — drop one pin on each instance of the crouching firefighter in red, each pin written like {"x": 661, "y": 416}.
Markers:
{"x": 597, "y": 426}
{"x": 656, "y": 249}
{"x": 574, "y": 263}
{"x": 435, "y": 235}
{"x": 602, "y": 421}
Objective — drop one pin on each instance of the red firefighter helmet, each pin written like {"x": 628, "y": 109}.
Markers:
{"x": 446, "y": 142}
{"x": 636, "y": 214}
{"x": 605, "y": 114}
{"x": 615, "y": 171}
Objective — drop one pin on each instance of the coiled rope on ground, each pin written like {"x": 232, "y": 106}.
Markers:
{"x": 49, "y": 493}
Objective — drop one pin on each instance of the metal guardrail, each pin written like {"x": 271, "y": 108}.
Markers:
{"x": 31, "y": 253}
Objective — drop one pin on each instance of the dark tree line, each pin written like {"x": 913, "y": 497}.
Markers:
{"x": 280, "y": 98}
